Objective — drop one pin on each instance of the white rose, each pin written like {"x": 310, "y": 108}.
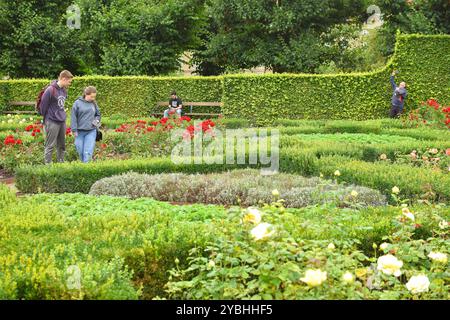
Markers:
{"x": 443, "y": 224}
{"x": 252, "y": 215}
{"x": 418, "y": 284}
{"x": 211, "y": 263}
{"x": 331, "y": 246}
{"x": 395, "y": 190}
{"x": 262, "y": 231}
{"x": 275, "y": 193}
{"x": 314, "y": 278}
{"x": 384, "y": 246}
{"x": 347, "y": 277}
{"x": 354, "y": 193}
{"x": 10, "y": 121}
{"x": 390, "y": 265}
{"x": 337, "y": 173}
{"x": 408, "y": 214}
{"x": 438, "y": 257}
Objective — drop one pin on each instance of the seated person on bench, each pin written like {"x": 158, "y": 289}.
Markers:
{"x": 175, "y": 105}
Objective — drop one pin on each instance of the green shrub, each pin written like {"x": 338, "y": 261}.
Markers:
{"x": 413, "y": 182}
{"x": 6, "y": 196}
{"x": 123, "y": 249}
{"x": 362, "y": 128}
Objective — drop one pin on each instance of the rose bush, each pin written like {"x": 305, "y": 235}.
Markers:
{"x": 430, "y": 114}
{"x": 277, "y": 266}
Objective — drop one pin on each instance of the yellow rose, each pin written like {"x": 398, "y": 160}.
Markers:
{"x": 418, "y": 284}
{"x": 390, "y": 265}
{"x": 383, "y": 156}
{"x": 438, "y": 257}
{"x": 354, "y": 194}
{"x": 360, "y": 273}
{"x": 275, "y": 193}
{"x": 252, "y": 215}
{"x": 314, "y": 278}
{"x": 395, "y": 190}
{"x": 331, "y": 246}
{"x": 337, "y": 173}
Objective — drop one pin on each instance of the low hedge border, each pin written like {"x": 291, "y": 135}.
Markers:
{"x": 78, "y": 177}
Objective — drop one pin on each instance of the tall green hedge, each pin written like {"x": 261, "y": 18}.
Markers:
{"x": 129, "y": 96}
{"x": 423, "y": 62}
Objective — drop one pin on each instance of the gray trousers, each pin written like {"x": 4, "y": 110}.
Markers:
{"x": 55, "y": 135}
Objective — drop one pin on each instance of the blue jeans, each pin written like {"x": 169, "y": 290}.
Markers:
{"x": 85, "y": 144}
{"x": 166, "y": 113}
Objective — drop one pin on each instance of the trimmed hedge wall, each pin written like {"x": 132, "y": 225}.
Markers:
{"x": 127, "y": 96}
{"x": 421, "y": 60}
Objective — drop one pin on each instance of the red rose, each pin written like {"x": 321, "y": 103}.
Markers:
{"x": 433, "y": 103}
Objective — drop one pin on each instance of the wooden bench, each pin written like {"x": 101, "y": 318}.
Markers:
{"x": 190, "y": 105}
{"x": 21, "y": 104}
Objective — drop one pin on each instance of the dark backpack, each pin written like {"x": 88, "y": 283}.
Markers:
{"x": 39, "y": 99}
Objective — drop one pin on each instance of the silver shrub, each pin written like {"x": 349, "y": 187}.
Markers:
{"x": 239, "y": 187}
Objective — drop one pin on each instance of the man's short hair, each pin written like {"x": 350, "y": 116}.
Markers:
{"x": 174, "y": 93}
{"x": 66, "y": 74}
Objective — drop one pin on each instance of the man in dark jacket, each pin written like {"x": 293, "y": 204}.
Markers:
{"x": 175, "y": 105}
{"x": 398, "y": 97}
{"x": 52, "y": 109}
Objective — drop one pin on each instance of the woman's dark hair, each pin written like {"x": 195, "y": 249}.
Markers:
{"x": 88, "y": 91}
